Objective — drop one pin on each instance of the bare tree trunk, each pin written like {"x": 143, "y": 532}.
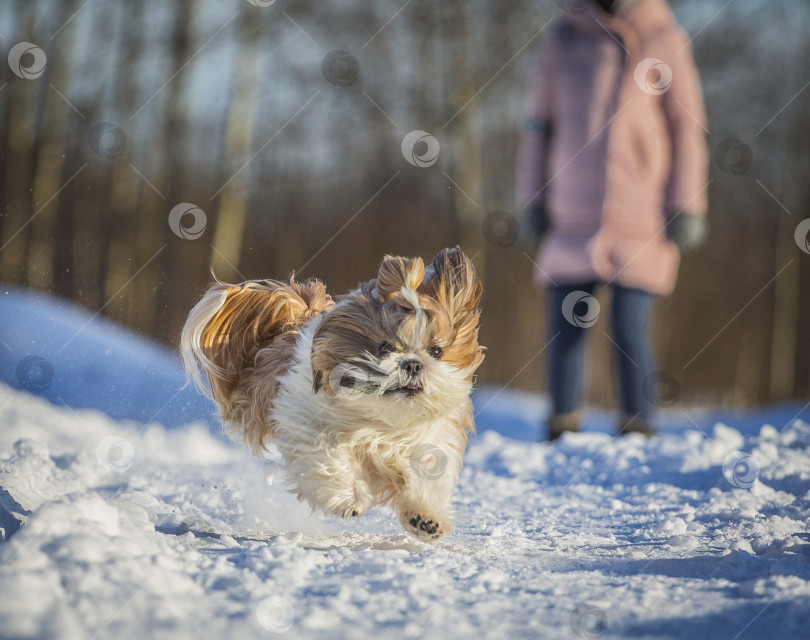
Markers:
{"x": 85, "y": 211}
{"x": 6, "y": 77}
{"x": 461, "y": 123}
{"x": 785, "y": 329}
{"x": 144, "y": 201}
{"x": 120, "y": 181}
{"x": 239, "y": 128}
{"x": 181, "y": 258}
{"x": 70, "y": 148}
{"x": 788, "y": 294}
{"x": 107, "y": 225}
{"x": 752, "y": 351}
{"x": 24, "y": 142}
{"x": 802, "y": 380}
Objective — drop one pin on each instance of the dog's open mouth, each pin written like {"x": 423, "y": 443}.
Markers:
{"x": 409, "y": 389}
{"x": 412, "y": 388}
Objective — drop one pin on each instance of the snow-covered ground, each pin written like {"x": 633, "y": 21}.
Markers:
{"x": 135, "y": 530}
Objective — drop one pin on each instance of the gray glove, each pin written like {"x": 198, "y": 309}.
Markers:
{"x": 687, "y": 231}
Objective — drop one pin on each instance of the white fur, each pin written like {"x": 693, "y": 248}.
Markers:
{"x": 334, "y": 446}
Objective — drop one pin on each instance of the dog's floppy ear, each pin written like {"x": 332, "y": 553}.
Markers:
{"x": 397, "y": 273}
{"x": 452, "y": 280}
{"x": 452, "y": 291}
{"x": 342, "y": 334}
{"x": 322, "y": 361}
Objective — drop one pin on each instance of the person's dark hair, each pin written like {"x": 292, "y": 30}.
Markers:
{"x": 607, "y": 5}
{"x": 613, "y": 6}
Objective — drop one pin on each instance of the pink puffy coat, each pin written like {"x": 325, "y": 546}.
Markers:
{"x": 614, "y": 146}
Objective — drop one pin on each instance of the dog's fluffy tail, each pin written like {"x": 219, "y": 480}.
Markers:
{"x": 242, "y": 337}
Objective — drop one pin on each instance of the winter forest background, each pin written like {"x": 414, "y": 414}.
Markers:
{"x": 293, "y": 153}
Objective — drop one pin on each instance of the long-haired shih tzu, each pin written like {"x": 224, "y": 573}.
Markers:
{"x": 366, "y": 397}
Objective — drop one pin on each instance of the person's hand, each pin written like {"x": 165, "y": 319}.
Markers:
{"x": 536, "y": 221}
{"x": 687, "y": 231}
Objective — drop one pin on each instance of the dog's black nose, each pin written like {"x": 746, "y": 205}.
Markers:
{"x": 411, "y": 367}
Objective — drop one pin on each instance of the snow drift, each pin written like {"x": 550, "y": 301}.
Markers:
{"x": 116, "y": 525}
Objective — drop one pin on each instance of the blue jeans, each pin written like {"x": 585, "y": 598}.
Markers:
{"x": 630, "y": 314}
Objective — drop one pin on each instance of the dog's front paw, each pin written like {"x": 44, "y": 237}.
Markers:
{"x": 424, "y": 528}
{"x": 346, "y": 501}
{"x": 352, "y": 511}
{"x": 350, "y": 505}
{"x": 348, "y": 508}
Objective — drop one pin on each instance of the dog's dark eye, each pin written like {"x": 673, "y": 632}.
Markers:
{"x": 384, "y": 349}
{"x": 436, "y": 352}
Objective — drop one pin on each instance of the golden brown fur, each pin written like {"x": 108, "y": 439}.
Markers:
{"x": 250, "y": 342}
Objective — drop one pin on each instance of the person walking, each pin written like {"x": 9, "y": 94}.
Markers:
{"x": 611, "y": 176}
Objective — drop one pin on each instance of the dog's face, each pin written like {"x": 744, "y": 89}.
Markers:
{"x": 403, "y": 346}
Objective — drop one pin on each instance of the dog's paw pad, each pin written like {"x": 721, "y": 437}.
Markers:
{"x": 425, "y": 528}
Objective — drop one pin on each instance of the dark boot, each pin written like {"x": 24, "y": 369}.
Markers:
{"x": 635, "y": 424}
{"x": 562, "y": 422}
